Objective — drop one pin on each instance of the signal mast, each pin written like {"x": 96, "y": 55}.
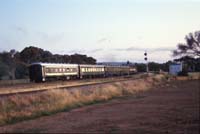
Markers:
{"x": 146, "y": 59}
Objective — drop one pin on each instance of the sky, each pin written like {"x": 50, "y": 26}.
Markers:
{"x": 108, "y": 30}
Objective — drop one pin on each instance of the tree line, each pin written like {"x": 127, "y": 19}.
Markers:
{"x": 14, "y": 64}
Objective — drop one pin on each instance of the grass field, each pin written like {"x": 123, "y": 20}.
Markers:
{"x": 27, "y": 106}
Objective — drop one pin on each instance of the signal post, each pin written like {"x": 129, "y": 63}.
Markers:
{"x": 146, "y": 59}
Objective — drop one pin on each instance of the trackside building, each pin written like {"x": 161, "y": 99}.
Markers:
{"x": 175, "y": 68}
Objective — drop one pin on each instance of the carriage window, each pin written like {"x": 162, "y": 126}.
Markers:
{"x": 53, "y": 70}
{"x": 56, "y": 70}
{"x": 47, "y": 70}
{"x": 50, "y": 70}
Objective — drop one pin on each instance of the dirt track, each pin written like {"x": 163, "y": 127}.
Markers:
{"x": 173, "y": 108}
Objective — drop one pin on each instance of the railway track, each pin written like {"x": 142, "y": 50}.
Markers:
{"x": 33, "y": 87}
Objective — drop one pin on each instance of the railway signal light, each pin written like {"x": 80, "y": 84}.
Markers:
{"x": 145, "y": 58}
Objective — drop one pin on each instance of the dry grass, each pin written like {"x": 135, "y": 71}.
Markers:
{"x": 21, "y": 107}
{"x": 194, "y": 75}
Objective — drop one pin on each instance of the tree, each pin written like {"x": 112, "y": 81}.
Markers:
{"x": 190, "y": 63}
{"x": 21, "y": 71}
{"x": 9, "y": 59}
{"x": 165, "y": 66}
{"x": 32, "y": 54}
{"x": 14, "y": 64}
{"x": 141, "y": 67}
{"x": 154, "y": 66}
{"x": 3, "y": 69}
{"x": 82, "y": 59}
{"x": 191, "y": 47}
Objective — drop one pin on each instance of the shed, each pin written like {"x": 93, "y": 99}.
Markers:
{"x": 175, "y": 68}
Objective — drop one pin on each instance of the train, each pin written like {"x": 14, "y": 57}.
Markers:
{"x": 41, "y": 72}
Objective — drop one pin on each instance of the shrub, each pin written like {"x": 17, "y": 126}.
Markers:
{"x": 183, "y": 73}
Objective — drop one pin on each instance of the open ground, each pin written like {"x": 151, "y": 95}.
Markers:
{"x": 169, "y": 108}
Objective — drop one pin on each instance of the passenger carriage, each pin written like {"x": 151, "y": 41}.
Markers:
{"x": 92, "y": 70}
{"x": 43, "y": 71}
{"x": 39, "y": 72}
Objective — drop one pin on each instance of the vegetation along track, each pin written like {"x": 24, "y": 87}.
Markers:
{"x": 35, "y": 87}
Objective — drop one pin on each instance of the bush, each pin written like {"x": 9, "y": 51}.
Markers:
{"x": 183, "y": 73}
{"x": 21, "y": 71}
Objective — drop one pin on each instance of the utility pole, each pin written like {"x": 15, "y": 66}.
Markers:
{"x": 145, "y": 58}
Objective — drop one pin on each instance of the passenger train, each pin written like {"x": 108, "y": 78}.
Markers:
{"x": 40, "y": 72}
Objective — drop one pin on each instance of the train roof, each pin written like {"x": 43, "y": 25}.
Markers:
{"x": 54, "y": 64}
{"x": 73, "y": 65}
{"x": 89, "y": 65}
{"x": 64, "y": 64}
{"x": 117, "y": 66}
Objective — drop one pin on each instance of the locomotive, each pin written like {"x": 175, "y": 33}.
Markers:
{"x": 40, "y": 72}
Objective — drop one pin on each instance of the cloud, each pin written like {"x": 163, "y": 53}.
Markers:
{"x": 21, "y": 30}
{"x": 134, "y": 49}
{"x": 129, "y": 49}
{"x": 50, "y": 38}
{"x": 164, "y": 49}
{"x": 41, "y": 36}
{"x": 102, "y": 40}
{"x": 84, "y": 51}
{"x": 160, "y": 49}
{"x": 133, "y": 54}
{"x": 95, "y": 50}
{"x": 108, "y": 57}
{"x": 76, "y": 51}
